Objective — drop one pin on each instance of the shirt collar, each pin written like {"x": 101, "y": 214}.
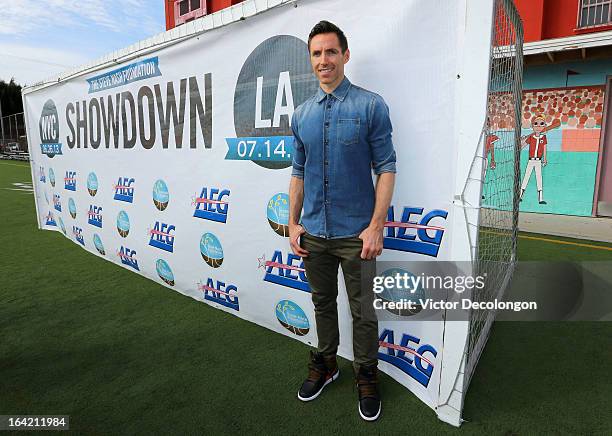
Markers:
{"x": 340, "y": 91}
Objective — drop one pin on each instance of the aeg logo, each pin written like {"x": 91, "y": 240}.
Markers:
{"x": 210, "y": 205}
{"x": 124, "y": 190}
{"x": 78, "y": 235}
{"x": 57, "y": 205}
{"x": 94, "y": 216}
{"x": 162, "y": 236}
{"x": 418, "y": 363}
{"x": 285, "y": 274}
{"x": 49, "y": 220}
{"x": 128, "y": 257}
{"x": 70, "y": 181}
{"x": 427, "y": 238}
{"x": 221, "y": 293}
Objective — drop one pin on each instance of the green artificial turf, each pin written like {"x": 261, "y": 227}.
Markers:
{"x": 121, "y": 354}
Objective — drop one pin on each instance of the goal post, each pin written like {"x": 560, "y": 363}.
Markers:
{"x": 486, "y": 197}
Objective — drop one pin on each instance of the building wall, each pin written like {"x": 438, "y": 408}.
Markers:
{"x": 548, "y": 19}
{"x": 569, "y": 178}
{"x": 571, "y": 94}
{"x": 561, "y": 18}
{"x": 211, "y": 6}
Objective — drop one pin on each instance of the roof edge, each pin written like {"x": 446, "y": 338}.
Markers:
{"x": 568, "y": 43}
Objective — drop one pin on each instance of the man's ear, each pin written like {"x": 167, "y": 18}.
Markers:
{"x": 347, "y": 55}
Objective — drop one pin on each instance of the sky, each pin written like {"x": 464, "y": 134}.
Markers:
{"x": 41, "y": 38}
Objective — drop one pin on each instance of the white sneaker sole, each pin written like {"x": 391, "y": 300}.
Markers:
{"x": 334, "y": 377}
{"x": 373, "y": 418}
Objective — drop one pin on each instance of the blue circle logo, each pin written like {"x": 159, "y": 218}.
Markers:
{"x": 123, "y": 223}
{"x": 161, "y": 195}
{"x": 72, "y": 208}
{"x": 92, "y": 184}
{"x": 98, "y": 244}
{"x": 278, "y": 213}
{"x": 51, "y": 177}
{"x": 61, "y": 224}
{"x": 164, "y": 271}
{"x": 211, "y": 250}
{"x": 402, "y": 294}
{"x": 292, "y": 317}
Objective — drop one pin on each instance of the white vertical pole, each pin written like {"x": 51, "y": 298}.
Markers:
{"x": 474, "y": 48}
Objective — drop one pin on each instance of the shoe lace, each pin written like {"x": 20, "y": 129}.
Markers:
{"x": 315, "y": 372}
{"x": 367, "y": 387}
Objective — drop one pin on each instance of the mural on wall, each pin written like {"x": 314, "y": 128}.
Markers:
{"x": 560, "y": 132}
{"x": 537, "y": 142}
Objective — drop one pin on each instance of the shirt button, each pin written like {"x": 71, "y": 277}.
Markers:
{"x": 326, "y": 162}
{"x": 326, "y": 142}
{"x": 326, "y": 123}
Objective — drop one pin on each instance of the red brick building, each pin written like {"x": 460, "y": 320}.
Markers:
{"x": 182, "y": 11}
{"x": 567, "y": 78}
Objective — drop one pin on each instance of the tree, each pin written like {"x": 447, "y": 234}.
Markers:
{"x": 10, "y": 97}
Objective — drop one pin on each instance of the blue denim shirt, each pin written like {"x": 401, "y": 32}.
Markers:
{"x": 339, "y": 138}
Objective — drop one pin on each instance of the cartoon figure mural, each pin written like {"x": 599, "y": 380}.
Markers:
{"x": 489, "y": 150}
{"x": 537, "y": 153}
{"x": 561, "y": 144}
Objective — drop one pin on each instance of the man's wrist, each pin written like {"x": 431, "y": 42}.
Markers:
{"x": 377, "y": 226}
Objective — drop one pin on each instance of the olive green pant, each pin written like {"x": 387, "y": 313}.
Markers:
{"x": 321, "y": 264}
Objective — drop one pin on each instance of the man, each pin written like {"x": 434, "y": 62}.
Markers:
{"x": 537, "y": 155}
{"x": 341, "y": 134}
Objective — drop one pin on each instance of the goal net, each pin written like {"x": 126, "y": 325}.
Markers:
{"x": 500, "y": 145}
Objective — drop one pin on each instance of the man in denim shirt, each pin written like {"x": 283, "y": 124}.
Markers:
{"x": 342, "y": 133}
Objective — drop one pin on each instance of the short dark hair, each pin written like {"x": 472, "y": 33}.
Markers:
{"x": 327, "y": 27}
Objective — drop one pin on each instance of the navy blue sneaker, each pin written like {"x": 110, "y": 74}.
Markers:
{"x": 321, "y": 372}
{"x": 369, "y": 397}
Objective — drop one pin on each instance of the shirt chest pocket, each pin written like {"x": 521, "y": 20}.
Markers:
{"x": 348, "y": 131}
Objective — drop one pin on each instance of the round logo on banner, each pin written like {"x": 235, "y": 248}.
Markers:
{"x": 292, "y": 317}
{"x": 164, "y": 272}
{"x": 48, "y": 127}
{"x": 72, "y": 208}
{"x": 211, "y": 250}
{"x": 161, "y": 196}
{"x": 278, "y": 213}
{"x": 123, "y": 223}
{"x": 275, "y": 79}
{"x": 92, "y": 184}
{"x": 61, "y": 224}
{"x": 98, "y": 244}
{"x": 396, "y": 294}
{"x": 52, "y": 177}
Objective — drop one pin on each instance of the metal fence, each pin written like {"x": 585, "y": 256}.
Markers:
{"x": 13, "y": 138}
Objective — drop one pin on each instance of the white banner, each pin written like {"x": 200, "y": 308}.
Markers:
{"x": 176, "y": 164}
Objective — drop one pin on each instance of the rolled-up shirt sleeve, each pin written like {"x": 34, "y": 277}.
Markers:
{"x": 380, "y": 137}
{"x": 299, "y": 157}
